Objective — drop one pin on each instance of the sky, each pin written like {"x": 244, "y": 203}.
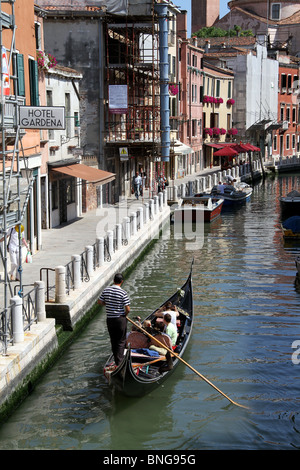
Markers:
{"x": 186, "y": 5}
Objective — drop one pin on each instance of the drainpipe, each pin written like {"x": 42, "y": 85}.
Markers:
{"x": 162, "y": 11}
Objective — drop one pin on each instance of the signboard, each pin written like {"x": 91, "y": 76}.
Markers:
{"x": 123, "y": 153}
{"x": 118, "y": 102}
{"x": 42, "y": 117}
{"x": 5, "y": 73}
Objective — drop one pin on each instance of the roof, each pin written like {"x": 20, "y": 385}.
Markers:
{"x": 74, "y": 5}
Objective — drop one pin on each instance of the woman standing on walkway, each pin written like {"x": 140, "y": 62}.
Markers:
{"x": 13, "y": 248}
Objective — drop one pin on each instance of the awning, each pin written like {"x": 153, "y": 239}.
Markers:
{"x": 87, "y": 173}
{"x": 181, "y": 148}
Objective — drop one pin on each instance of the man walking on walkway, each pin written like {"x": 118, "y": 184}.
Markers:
{"x": 137, "y": 185}
{"x": 117, "y": 303}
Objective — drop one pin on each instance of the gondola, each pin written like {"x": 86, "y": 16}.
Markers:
{"x": 139, "y": 374}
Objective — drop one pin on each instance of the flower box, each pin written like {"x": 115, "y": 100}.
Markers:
{"x": 230, "y": 102}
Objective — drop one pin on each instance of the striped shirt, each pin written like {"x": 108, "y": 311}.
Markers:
{"x": 115, "y": 299}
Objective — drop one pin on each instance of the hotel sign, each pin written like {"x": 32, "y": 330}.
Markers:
{"x": 42, "y": 117}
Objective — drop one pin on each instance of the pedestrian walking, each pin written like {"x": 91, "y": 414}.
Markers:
{"x": 117, "y": 304}
{"x": 137, "y": 185}
{"x": 13, "y": 249}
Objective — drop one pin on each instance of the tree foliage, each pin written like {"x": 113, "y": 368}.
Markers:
{"x": 213, "y": 32}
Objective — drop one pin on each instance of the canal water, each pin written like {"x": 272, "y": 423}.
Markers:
{"x": 245, "y": 341}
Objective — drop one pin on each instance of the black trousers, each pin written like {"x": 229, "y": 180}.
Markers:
{"x": 117, "y": 328}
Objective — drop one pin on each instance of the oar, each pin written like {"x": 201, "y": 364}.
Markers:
{"x": 186, "y": 363}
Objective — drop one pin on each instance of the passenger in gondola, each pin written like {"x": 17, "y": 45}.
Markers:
{"x": 168, "y": 307}
{"x": 171, "y": 330}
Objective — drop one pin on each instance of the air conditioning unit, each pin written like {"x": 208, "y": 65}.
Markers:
{"x": 285, "y": 125}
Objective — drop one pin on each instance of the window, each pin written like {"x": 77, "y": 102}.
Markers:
{"x": 229, "y": 91}
{"x": 228, "y": 121}
{"x": 282, "y": 112}
{"x": 287, "y": 141}
{"x": 34, "y": 83}
{"x": 283, "y": 83}
{"x": 275, "y": 11}
{"x": 194, "y": 127}
{"x": 293, "y": 141}
{"x": 207, "y": 86}
{"x": 18, "y": 70}
{"x": 275, "y": 143}
{"x": 217, "y": 88}
{"x": 70, "y": 188}
{"x": 68, "y": 114}
{"x": 288, "y": 113}
{"x": 50, "y": 103}
{"x": 38, "y": 39}
{"x": 54, "y": 195}
{"x": 294, "y": 114}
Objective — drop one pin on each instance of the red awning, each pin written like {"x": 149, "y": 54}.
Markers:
{"x": 87, "y": 173}
{"x": 226, "y": 152}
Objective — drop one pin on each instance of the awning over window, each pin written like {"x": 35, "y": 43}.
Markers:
{"x": 87, "y": 173}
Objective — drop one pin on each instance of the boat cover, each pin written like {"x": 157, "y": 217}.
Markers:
{"x": 292, "y": 223}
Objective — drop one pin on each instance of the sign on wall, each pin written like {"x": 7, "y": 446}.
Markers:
{"x": 118, "y": 102}
{"x": 42, "y": 117}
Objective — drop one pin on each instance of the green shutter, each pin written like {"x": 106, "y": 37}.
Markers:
{"x": 20, "y": 75}
{"x": 34, "y": 83}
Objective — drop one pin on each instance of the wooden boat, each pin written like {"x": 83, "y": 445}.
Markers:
{"x": 290, "y": 204}
{"x": 291, "y": 228}
{"x": 198, "y": 208}
{"x": 138, "y": 374}
{"x": 233, "y": 195}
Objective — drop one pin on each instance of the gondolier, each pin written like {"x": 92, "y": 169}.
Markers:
{"x": 117, "y": 303}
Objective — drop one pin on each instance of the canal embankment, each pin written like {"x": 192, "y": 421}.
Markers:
{"x": 103, "y": 242}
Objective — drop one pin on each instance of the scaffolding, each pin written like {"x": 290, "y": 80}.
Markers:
{"x": 132, "y": 63}
{"x": 15, "y": 180}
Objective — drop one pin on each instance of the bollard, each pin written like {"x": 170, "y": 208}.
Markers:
{"x": 100, "y": 244}
{"x": 133, "y": 223}
{"x": 141, "y": 216}
{"x": 155, "y": 198}
{"x": 119, "y": 236}
{"x": 40, "y": 300}
{"x": 165, "y": 197}
{"x": 151, "y": 208}
{"x": 127, "y": 228}
{"x": 146, "y": 212}
{"x": 175, "y": 193}
{"x": 110, "y": 237}
{"x": 160, "y": 201}
{"x": 60, "y": 284}
{"x": 89, "y": 259}
{"x": 17, "y": 319}
{"x": 76, "y": 263}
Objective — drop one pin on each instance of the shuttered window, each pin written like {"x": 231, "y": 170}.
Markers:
{"x": 34, "y": 83}
{"x": 18, "y": 71}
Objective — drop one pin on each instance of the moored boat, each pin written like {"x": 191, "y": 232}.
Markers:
{"x": 198, "y": 208}
{"x": 297, "y": 262}
{"x": 291, "y": 228}
{"x": 233, "y": 195}
{"x": 140, "y": 373}
{"x": 290, "y": 204}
